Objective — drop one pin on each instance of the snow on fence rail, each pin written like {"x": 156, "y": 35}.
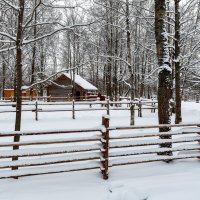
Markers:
{"x": 101, "y": 147}
{"x": 105, "y": 106}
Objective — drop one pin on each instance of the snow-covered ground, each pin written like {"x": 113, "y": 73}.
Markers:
{"x": 154, "y": 181}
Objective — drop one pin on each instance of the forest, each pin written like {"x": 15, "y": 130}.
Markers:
{"x": 106, "y": 89}
{"x": 140, "y": 48}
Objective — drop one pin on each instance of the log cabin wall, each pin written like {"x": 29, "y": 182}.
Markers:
{"x": 9, "y": 93}
{"x": 56, "y": 91}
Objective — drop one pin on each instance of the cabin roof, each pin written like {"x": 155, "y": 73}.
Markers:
{"x": 81, "y": 82}
{"x": 25, "y": 87}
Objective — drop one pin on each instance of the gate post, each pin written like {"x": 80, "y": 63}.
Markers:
{"x": 105, "y": 147}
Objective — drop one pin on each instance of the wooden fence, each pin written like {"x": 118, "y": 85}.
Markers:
{"x": 51, "y": 99}
{"x": 102, "y": 147}
{"x": 28, "y": 98}
{"x": 105, "y": 105}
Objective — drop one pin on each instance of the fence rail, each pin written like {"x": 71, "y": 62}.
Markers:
{"x": 50, "y": 98}
{"x": 105, "y": 105}
{"x": 55, "y": 99}
{"x": 96, "y": 148}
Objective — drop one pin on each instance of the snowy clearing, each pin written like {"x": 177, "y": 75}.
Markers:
{"x": 152, "y": 181}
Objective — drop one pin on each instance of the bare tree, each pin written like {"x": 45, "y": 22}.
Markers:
{"x": 177, "y": 63}
{"x": 165, "y": 79}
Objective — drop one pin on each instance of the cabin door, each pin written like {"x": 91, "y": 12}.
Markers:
{"x": 78, "y": 94}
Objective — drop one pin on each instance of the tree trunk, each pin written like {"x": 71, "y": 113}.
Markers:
{"x": 130, "y": 67}
{"x": 109, "y": 41}
{"x": 19, "y": 73}
{"x": 34, "y": 52}
{"x": 42, "y": 68}
{"x": 164, "y": 85}
{"x": 115, "y": 80}
{"x": 178, "y": 118}
{"x": 3, "y": 77}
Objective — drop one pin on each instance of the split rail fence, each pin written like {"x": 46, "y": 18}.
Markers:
{"x": 104, "y": 147}
{"x": 105, "y": 105}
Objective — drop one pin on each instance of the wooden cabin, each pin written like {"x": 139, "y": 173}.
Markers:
{"x": 9, "y": 93}
{"x": 59, "y": 92}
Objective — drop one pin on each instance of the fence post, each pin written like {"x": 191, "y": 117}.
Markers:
{"x": 108, "y": 107}
{"x": 197, "y": 98}
{"x": 73, "y": 110}
{"x": 132, "y": 113}
{"x": 139, "y": 108}
{"x": 36, "y": 111}
{"x": 153, "y": 110}
{"x": 14, "y": 158}
{"x": 154, "y": 105}
{"x": 105, "y": 147}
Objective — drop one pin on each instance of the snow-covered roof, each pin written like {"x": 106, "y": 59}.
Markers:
{"x": 81, "y": 82}
{"x": 25, "y": 87}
